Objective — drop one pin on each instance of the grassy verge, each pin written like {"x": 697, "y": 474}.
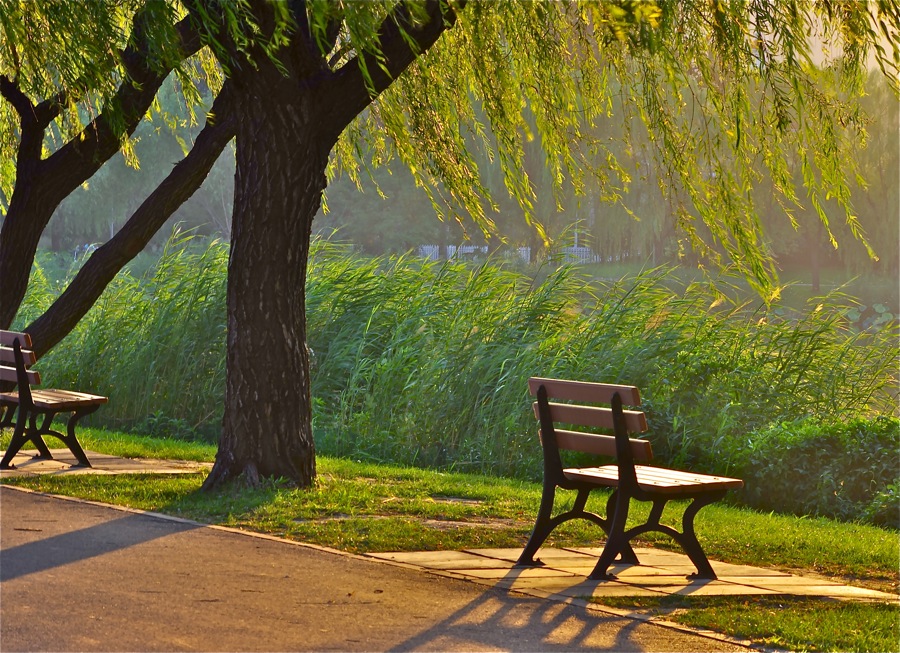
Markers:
{"x": 131, "y": 445}
{"x": 786, "y": 622}
{"x": 355, "y": 497}
{"x": 361, "y": 507}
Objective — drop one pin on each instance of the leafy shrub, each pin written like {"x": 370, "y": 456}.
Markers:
{"x": 884, "y": 509}
{"x": 843, "y": 470}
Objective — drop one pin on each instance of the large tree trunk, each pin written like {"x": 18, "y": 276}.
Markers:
{"x": 280, "y": 178}
{"x": 290, "y": 116}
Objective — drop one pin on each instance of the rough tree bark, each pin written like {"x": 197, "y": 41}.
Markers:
{"x": 279, "y": 181}
{"x": 290, "y": 117}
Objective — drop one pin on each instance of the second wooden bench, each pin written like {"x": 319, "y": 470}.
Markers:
{"x": 641, "y": 482}
{"x": 28, "y": 404}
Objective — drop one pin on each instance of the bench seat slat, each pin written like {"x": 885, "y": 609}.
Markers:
{"x": 58, "y": 400}
{"x": 54, "y": 398}
{"x": 656, "y": 479}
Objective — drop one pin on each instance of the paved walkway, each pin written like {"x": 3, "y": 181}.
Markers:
{"x": 25, "y": 464}
{"x": 117, "y": 579}
{"x": 77, "y": 576}
{"x": 565, "y": 572}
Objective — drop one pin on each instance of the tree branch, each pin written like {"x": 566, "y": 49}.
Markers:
{"x": 42, "y": 184}
{"x": 33, "y": 120}
{"x": 348, "y": 93}
{"x": 80, "y": 158}
{"x": 31, "y": 136}
{"x": 97, "y": 272}
{"x": 13, "y": 94}
{"x": 309, "y": 40}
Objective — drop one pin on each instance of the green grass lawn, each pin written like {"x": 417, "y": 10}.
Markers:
{"x": 785, "y": 622}
{"x": 361, "y": 507}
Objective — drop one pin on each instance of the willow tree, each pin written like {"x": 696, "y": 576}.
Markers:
{"x": 722, "y": 92}
{"x": 76, "y": 79}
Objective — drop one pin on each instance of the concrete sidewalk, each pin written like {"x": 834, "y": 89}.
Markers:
{"x": 78, "y": 576}
{"x": 25, "y": 463}
{"x": 564, "y": 575}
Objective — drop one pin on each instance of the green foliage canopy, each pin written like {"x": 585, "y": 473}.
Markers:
{"x": 724, "y": 93}
{"x": 720, "y": 90}
{"x": 70, "y": 60}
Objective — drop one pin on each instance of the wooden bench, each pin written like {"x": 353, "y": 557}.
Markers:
{"x": 16, "y": 357}
{"x": 640, "y": 482}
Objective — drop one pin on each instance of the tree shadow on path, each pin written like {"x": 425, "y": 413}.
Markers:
{"x": 41, "y": 553}
{"x": 509, "y": 621}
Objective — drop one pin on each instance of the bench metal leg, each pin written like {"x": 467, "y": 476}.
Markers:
{"x": 688, "y": 539}
{"x": 70, "y": 439}
{"x": 18, "y": 439}
{"x": 627, "y": 554}
{"x": 28, "y": 429}
{"x": 616, "y": 541}
{"x": 34, "y": 434}
{"x": 542, "y": 527}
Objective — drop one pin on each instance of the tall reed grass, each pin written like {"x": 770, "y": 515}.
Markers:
{"x": 426, "y": 363}
{"x": 154, "y": 344}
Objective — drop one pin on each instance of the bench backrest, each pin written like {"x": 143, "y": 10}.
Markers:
{"x": 16, "y": 347}
{"x": 611, "y": 415}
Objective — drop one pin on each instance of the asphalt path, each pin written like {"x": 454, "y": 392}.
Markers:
{"x": 76, "y": 576}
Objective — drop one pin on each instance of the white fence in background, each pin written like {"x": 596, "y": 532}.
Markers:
{"x": 579, "y": 255}
{"x": 431, "y": 252}
{"x": 568, "y": 254}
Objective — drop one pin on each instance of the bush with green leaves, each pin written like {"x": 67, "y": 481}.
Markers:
{"x": 845, "y": 470}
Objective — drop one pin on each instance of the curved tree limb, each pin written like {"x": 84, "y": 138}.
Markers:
{"x": 42, "y": 184}
{"x": 100, "y": 139}
{"x": 402, "y": 42}
{"x": 31, "y": 138}
{"x": 185, "y": 178}
{"x": 11, "y": 92}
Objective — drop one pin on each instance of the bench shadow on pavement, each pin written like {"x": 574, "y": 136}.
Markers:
{"x": 495, "y": 619}
{"x": 59, "y": 550}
